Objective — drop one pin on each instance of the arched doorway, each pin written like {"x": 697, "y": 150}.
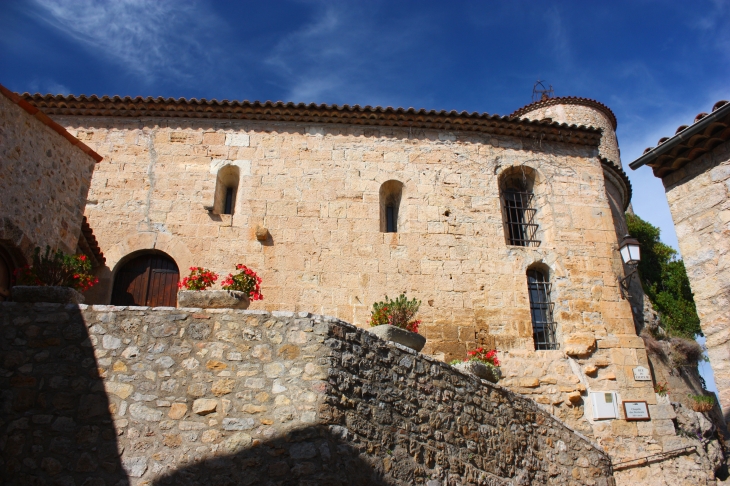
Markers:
{"x": 6, "y": 274}
{"x": 149, "y": 279}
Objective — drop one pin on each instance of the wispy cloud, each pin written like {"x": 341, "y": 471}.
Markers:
{"x": 146, "y": 37}
{"x": 47, "y": 86}
{"x": 342, "y": 55}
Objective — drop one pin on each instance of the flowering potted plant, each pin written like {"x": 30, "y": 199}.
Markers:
{"x": 393, "y": 320}
{"x": 245, "y": 281}
{"x": 237, "y": 293}
{"x": 482, "y": 363}
{"x": 53, "y": 277}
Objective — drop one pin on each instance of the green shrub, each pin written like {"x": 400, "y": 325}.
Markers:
{"x": 665, "y": 281}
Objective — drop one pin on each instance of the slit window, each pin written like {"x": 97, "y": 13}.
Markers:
{"x": 390, "y": 219}
{"x": 541, "y": 311}
{"x": 226, "y": 189}
{"x": 391, "y": 193}
{"x": 228, "y": 209}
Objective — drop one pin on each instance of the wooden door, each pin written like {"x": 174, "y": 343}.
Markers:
{"x": 149, "y": 280}
{"x": 6, "y": 275}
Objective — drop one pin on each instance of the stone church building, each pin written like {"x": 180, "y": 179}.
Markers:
{"x": 505, "y": 227}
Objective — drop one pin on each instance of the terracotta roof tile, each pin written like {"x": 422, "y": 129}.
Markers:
{"x": 685, "y": 145}
{"x": 567, "y": 100}
{"x": 311, "y": 113}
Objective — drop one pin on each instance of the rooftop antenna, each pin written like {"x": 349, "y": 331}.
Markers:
{"x": 540, "y": 92}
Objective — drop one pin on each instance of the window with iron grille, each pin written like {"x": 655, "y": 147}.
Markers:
{"x": 541, "y": 310}
{"x": 519, "y": 214}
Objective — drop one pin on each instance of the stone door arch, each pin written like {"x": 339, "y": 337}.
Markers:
{"x": 148, "y": 279}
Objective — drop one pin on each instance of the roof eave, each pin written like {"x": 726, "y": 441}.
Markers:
{"x": 680, "y": 137}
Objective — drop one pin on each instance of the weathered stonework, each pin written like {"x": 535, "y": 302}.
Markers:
{"x": 44, "y": 183}
{"x": 699, "y": 199}
{"x": 187, "y": 396}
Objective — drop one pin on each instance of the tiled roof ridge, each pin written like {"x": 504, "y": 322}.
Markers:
{"x": 93, "y": 105}
{"x": 618, "y": 171}
{"x": 689, "y": 142}
{"x": 87, "y": 234}
{"x": 682, "y": 128}
{"x": 43, "y": 118}
{"x": 567, "y": 100}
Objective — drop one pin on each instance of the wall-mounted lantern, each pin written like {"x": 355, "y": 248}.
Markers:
{"x": 630, "y": 250}
{"x": 631, "y": 255}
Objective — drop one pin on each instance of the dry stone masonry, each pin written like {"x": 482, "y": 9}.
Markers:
{"x": 185, "y": 396}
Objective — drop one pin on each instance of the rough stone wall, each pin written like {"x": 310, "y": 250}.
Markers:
{"x": 44, "y": 183}
{"x": 316, "y": 189}
{"x": 242, "y": 397}
{"x": 699, "y": 200}
{"x": 583, "y": 115}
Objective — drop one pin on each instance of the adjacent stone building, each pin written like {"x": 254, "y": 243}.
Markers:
{"x": 506, "y": 228}
{"x": 45, "y": 174}
{"x": 694, "y": 166}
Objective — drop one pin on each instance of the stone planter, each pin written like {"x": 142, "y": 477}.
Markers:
{"x": 480, "y": 369}
{"x": 213, "y": 299}
{"x": 407, "y": 338}
{"x": 56, "y": 295}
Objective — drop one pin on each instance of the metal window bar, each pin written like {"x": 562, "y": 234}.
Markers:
{"x": 541, "y": 311}
{"x": 520, "y": 218}
{"x": 390, "y": 225}
{"x": 228, "y": 207}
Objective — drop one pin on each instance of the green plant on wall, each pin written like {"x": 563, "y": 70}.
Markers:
{"x": 665, "y": 281}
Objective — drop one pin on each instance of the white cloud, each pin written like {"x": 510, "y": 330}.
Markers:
{"x": 47, "y": 86}
{"x": 343, "y": 55}
{"x": 147, "y": 37}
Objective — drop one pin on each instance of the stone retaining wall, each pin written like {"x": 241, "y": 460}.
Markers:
{"x": 110, "y": 395}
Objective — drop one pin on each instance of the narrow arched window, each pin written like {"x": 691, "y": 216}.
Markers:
{"x": 541, "y": 310}
{"x": 390, "y": 196}
{"x": 518, "y": 207}
{"x": 226, "y": 188}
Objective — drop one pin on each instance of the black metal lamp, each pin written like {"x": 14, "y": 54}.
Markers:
{"x": 630, "y": 250}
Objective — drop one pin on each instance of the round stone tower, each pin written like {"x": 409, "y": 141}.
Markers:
{"x": 578, "y": 111}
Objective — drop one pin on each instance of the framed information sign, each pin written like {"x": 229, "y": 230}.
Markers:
{"x": 636, "y": 411}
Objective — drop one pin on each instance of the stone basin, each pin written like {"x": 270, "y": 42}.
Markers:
{"x": 407, "y": 338}
{"x": 489, "y": 373}
{"x": 45, "y": 293}
{"x": 213, "y": 299}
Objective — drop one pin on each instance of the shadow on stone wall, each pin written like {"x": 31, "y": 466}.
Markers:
{"x": 313, "y": 455}
{"x": 56, "y": 427}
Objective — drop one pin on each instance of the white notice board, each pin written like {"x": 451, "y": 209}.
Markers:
{"x": 604, "y": 405}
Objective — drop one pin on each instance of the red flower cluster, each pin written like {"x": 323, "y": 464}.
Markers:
{"x": 480, "y": 354}
{"x": 199, "y": 279}
{"x": 57, "y": 269}
{"x": 244, "y": 281}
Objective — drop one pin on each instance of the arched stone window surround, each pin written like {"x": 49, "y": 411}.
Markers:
{"x": 390, "y": 196}
{"x": 541, "y": 299}
{"x": 518, "y": 201}
{"x": 227, "y": 182}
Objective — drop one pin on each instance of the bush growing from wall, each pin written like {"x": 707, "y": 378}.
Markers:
{"x": 665, "y": 281}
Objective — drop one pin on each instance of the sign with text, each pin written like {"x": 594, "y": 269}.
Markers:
{"x": 636, "y": 411}
{"x": 642, "y": 374}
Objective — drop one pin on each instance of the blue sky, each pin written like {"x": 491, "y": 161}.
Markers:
{"x": 656, "y": 64}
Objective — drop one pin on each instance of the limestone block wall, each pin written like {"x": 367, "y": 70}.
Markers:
{"x": 44, "y": 183}
{"x": 699, "y": 200}
{"x": 316, "y": 189}
{"x": 184, "y": 396}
